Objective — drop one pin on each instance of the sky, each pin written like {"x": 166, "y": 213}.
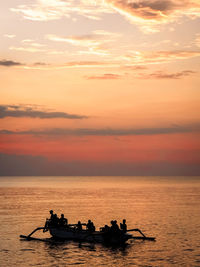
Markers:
{"x": 106, "y": 87}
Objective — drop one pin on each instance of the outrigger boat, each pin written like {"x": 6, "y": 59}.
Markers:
{"x": 70, "y": 232}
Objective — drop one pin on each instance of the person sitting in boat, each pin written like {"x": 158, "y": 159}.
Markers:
{"x": 123, "y": 226}
{"x": 114, "y": 227}
{"x": 53, "y": 221}
{"x": 106, "y": 233}
{"x": 63, "y": 221}
{"x": 79, "y": 226}
{"x": 105, "y": 229}
{"x": 114, "y": 230}
{"x": 90, "y": 226}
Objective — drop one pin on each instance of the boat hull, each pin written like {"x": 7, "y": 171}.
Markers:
{"x": 97, "y": 237}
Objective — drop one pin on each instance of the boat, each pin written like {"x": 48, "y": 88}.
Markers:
{"x": 70, "y": 232}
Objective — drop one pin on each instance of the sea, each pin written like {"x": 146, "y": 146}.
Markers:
{"x": 167, "y": 208}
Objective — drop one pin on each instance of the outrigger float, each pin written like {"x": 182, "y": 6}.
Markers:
{"x": 71, "y": 233}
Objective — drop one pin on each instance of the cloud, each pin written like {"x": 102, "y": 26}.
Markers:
{"x": 84, "y": 40}
{"x": 73, "y": 64}
{"x": 134, "y": 60}
{"x": 47, "y": 10}
{"x": 150, "y": 13}
{"x": 156, "y": 57}
{"x": 106, "y": 76}
{"x": 27, "y": 49}
{"x": 165, "y": 75}
{"x": 96, "y": 42}
{"x": 108, "y": 131}
{"x": 29, "y": 45}
{"x": 10, "y": 36}
{"x": 95, "y": 37}
{"x": 9, "y": 63}
{"x": 134, "y": 67}
{"x": 19, "y": 111}
{"x": 154, "y": 75}
{"x": 88, "y": 64}
{"x": 36, "y": 65}
{"x": 31, "y": 42}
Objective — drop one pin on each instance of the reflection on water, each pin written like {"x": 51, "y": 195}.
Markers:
{"x": 167, "y": 208}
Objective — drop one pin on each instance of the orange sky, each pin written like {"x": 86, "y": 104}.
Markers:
{"x": 101, "y": 81}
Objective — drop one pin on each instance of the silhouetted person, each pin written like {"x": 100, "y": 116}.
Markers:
{"x": 63, "y": 221}
{"x": 52, "y": 218}
{"x": 114, "y": 227}
{"x": 90, "y": 226}
{"x": 79, "y": 226}
{"x": 123, "y": 226}
{"x": 105, "y": 229}
{"x": 51, "y": 214}
{"x": 55, "y": 220}
{"x": 106, "y": 233}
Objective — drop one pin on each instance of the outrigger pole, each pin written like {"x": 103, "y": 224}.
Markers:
{"x": 28, "y": 237}
{"x": 143, "y": 237}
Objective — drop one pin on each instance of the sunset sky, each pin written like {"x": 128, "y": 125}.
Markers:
{"x": 100, "y": 87}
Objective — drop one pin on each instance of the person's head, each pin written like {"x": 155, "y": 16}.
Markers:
{"x": 89, "y": 221}
{"x": 62, "y": 215}
{"x": 51, "y": 211}
{"x": 124, "y": 221}
{"x": 79, "y": 222}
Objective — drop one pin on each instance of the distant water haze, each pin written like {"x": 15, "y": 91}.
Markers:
{"x": 164, "y": 207}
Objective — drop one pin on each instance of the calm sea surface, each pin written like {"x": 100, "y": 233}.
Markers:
{"x": 165, "y": 207}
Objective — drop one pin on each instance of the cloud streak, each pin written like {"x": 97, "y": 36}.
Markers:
{"x": 108, "y": 131}
{"x": 156, "y": 57}
{"x": 96, "y": 42}
{"x": 106, "y": 76}
{"x": 9, "y": 63}
{"x": 27, "y": 49}
{"x": 20, "y": 111}
{"x": 165, "y": 75}
{"x": 134, "y": 60}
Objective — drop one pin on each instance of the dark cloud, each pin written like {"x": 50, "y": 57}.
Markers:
{"x": 108, "y": 131}
{"x": 27, "y": 165}
{"x": 164, "y": 75}
{"x": 154, "y": 9}
{"x": 9, "y": 63}
{"x": 19, "y": 111}
{"x": 40, "y": 64}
